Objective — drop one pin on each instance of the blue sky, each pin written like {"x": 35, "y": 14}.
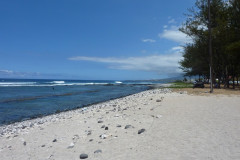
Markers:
{"x": 91, "y": 39}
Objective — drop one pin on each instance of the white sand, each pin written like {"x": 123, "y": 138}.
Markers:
{"x": 180, "y": 127}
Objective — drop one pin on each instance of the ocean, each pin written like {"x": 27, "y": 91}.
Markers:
{"x": 22, "y": 99}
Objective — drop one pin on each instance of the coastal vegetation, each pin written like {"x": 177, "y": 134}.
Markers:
{"x": 180, "y": 84}
{"x": 225, "y": 27}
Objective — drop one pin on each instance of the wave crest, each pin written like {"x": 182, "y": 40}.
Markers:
{"x": 58, "y": 82}
{"x": 118, "y": 82}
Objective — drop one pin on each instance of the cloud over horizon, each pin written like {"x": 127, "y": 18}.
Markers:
{"x": 161, "y": 64}
{"x": 34, "y": 75}
{"x": 15, "y": 74}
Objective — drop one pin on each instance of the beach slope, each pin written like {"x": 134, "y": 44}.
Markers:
{"x": 154, "y": 124}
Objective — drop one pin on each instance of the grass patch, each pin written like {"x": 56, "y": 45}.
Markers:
{"x": 180, "y": 85}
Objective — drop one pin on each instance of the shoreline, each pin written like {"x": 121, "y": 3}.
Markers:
{"x": 150, "y": 87}
{"x": 16, "y": 127}
{"x": 153, "y": 124}
{"x": 75, "y": 108}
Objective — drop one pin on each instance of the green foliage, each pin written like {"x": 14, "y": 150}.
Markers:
{"x": 180, "y": 85}
{"x": 225, "y": 25}
{"x": 233, "y": 48}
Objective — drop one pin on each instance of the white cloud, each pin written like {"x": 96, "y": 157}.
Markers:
{"x": 148, "y": 40}
{"x": 16, "y": 74}
{"x": 175, "y": 35}
{"x": 177, "y": 48}
{"x": 6, "y": 71}
{"x": 161, "y": 64}
{"x": 9, "y": 73}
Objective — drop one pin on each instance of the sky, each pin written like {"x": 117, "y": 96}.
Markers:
{"x": 92, "y": 39}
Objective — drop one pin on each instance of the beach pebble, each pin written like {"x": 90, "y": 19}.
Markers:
{"x": 119, "y": 125}
{"x": 89, "y": 133}
{"x": 100, "y": 121}
{"x": 98, "y": 151}
{"x": 75, "y": 137}
{"x": 71, "y": 145}
{"x": 158, "y": 100}
{"x": 104, "y": 136}
{"x": 83, "y": 156}
{"x": 90, "y": 140}
{"x": 103, "y": 126}
{"x": 141, "y": 131}
{"x": 40, "y": 122}
{"x": 128, "y": 126}
{"x": 50, "y": 156}
{"x": 55, "y": 140}
{"x": 158, "y": 116}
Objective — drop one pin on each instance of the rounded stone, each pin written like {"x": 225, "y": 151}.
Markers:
{"x": 83, "y": 156}
{"x": 141, "y": 131}
{"x": 100, "y": 121}
{"x": 128, "y": 126}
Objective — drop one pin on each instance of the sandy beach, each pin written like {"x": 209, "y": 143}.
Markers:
{"x": 154, "y": 124}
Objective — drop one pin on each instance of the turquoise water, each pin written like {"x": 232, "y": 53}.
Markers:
{"x": 22, "y": 99}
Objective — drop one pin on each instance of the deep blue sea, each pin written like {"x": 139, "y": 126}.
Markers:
{"x": 22, "y": 99}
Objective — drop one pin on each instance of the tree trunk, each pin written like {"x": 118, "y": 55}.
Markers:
{"x": 233, "y": 76}
{"x": 233, "y": 82}
{"x": 227, "y": 78}
{"x": 227, "y": 83}
{"x": 219, "y": 82}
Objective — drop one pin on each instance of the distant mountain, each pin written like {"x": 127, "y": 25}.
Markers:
{"x": 172, "y": 79}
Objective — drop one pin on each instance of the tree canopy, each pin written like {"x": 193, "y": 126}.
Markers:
{"x": 225, "y": 26}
